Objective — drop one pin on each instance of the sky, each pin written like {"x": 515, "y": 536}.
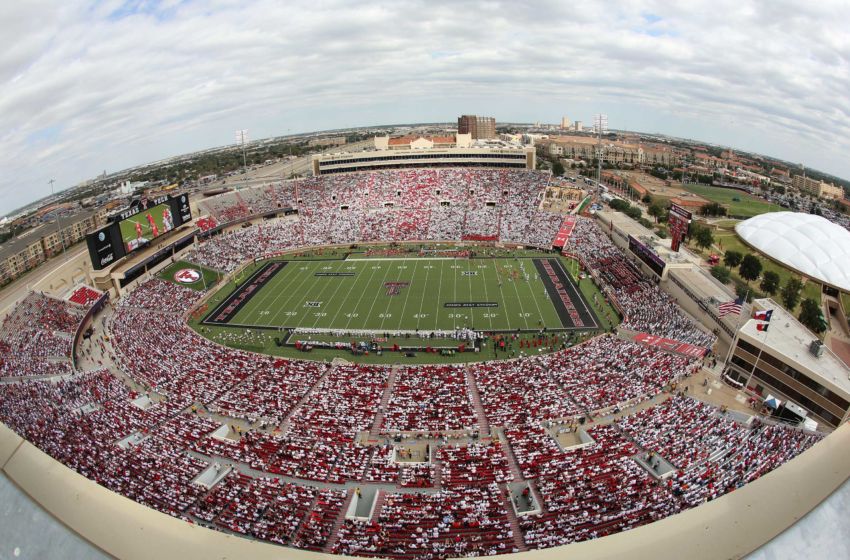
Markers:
{"x": 94, "y": 86}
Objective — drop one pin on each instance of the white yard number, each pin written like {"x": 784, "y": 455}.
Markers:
{"x": 420, "y": 316}
{"x": 525, "y": 314}
{"x": 352, "y": 315}
{"x": 385, "y": 315}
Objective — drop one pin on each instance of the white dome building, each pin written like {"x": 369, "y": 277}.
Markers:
{"x": 809, "y": 244}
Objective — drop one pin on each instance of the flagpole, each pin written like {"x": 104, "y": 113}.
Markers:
{"x": 734, "y": 336}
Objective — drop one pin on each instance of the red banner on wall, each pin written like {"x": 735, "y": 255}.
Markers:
{"x": 670, "y": 345}
{"x": 565, "y": 232}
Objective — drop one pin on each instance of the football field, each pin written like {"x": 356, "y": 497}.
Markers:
{"x": 407, "y": 294}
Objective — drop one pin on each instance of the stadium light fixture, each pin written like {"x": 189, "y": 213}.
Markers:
{"x": 58, "y": 223}
{"x": 242, "y": 140}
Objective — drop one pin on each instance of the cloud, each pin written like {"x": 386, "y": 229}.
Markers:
{"x": 115, "y": 84}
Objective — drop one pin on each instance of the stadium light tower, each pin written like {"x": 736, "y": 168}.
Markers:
{"x": 600, "y": 124}
{"x": 242, "y": 140}
{"x": 58, "y": 223}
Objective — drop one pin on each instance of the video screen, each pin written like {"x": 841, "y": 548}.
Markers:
{"x": 141, "y": 229}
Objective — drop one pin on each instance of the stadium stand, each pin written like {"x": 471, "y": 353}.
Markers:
{"x": 295, "y": 441}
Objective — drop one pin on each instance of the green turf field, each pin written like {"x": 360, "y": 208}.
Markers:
{"x": 398, "y": 294}
{"x": 746, "y": 205}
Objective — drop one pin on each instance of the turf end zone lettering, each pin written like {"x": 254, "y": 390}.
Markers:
{"x": 567, "y": 299}
{"x": 225, "y": 312}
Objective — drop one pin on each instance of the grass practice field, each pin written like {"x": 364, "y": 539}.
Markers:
{"x": 746, "y": 205}
{"x": 406, "y": 294}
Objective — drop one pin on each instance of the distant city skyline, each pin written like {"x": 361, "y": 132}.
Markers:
{"x": 119, "y": 84}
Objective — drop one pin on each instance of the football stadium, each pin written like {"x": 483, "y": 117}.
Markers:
{"x": 417, "y": 362}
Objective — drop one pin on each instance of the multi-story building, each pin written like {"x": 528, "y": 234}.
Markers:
{"x": 431, "y": 151}
{"x": 35, "y": 246}
{"x": 789, "y": 362}
{"x": 480, "y": 128}
{"x": 814, "y": 187}
{"x": 584, "y": 147}
{"x": 565, "y": 123}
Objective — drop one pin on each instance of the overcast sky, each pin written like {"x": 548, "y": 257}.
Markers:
{"x": 93, "y": 86}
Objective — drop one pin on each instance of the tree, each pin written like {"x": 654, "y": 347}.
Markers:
{"x": 791, "y": 293}
{"x": 750, "y": 267}
{"x": 702, "y": 236}
{"x": 647, "y": 199}
{"x": 713, "y": 209}
{"x": 558, "y": 168}
{"x": 722, "y": 273}
{"x": 770, "y": 282}
{"x": 743, "y": 291}
{"x": 732, "y": 258}
{"x": 812, "y": 316}
{"x": 655, "y": 210}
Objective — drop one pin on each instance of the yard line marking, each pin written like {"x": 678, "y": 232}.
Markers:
{"x": 292, "y": 294}
{"x": 375, "y": 296}
{"x": 339, "y": 282}
{"x": 407, "y": 296}
{"x": 534, "y": 297}
{"x": 359, "y": 299}
{"x": 519, "y": 300}
{"x": 261, "y": 303}
{"x": 439, "y": 291}
{"x": 502, "y": 296}
{"x": 424, "y": 293}
{"x": 390, "y": 298}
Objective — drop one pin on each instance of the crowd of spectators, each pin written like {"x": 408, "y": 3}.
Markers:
{"x": 647, "y": 308}
{"x": 429, "y": 399}
{"x": 36, "y": 336}
{"x": 403, "y": 205}
{"x": 463, "y": 521}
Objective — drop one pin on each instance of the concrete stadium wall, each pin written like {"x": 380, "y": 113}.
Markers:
{"x": 729, "y": 527}
{"x": 63, "y": 278}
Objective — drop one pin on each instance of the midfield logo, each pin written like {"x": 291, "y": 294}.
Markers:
{"x": 394, "y": 288}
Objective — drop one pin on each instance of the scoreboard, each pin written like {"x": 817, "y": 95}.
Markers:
{"x": 678, "y": 222}
{"x": 136, "y": 227}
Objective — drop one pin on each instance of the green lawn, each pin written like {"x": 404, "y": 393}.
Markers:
{"x": 208, "y": 280}
{"x": 746, "y": 205}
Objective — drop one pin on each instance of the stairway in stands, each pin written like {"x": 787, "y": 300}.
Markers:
{"x": 385, "y": 399}
{"x": 338, "y": 523}
{"x": 284, "y": 426}
{"x": 483, "y": 424}
{"x": 514, "y": 521}
{"x": 512, "y": 461}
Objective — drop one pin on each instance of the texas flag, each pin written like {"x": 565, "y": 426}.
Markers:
{"x": 762, "y": 326}
{"x": 763, "y": 315}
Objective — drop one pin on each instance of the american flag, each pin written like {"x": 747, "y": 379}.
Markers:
{"x": 734, "y": 306}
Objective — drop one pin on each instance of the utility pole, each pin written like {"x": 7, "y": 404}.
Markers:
{"x": 58, "y": 223}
